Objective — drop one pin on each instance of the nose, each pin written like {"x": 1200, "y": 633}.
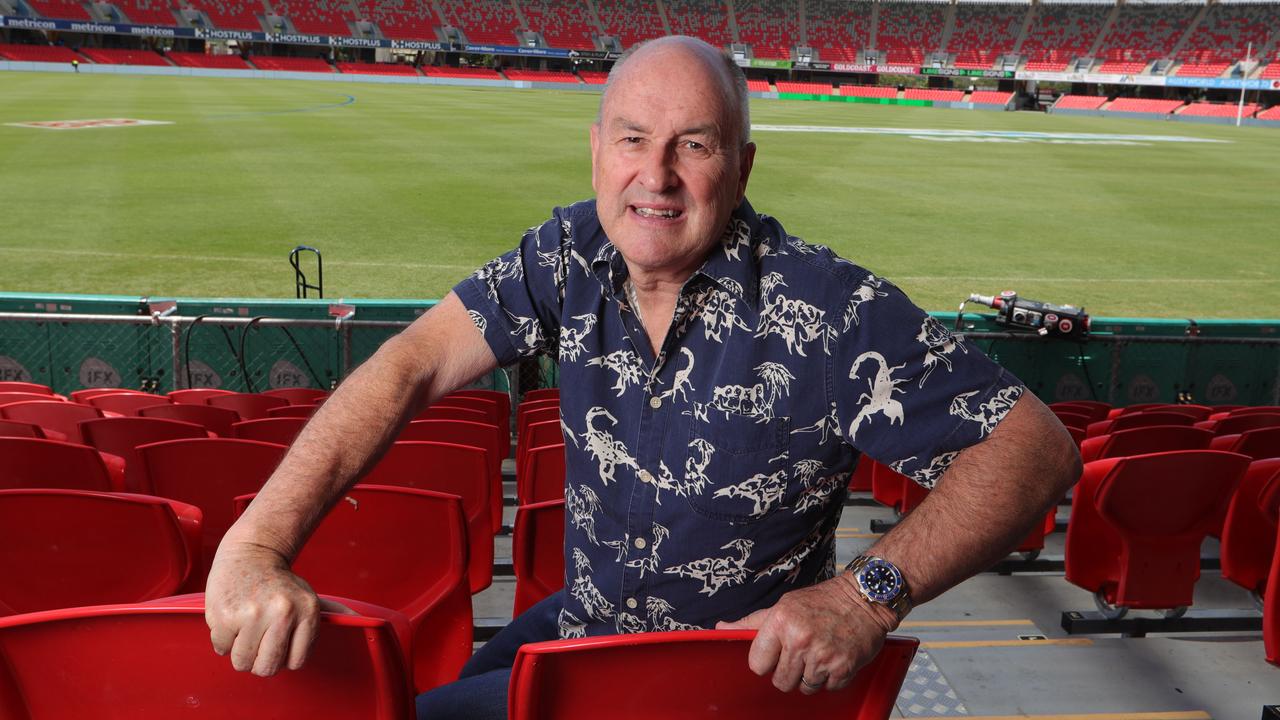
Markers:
{"x": 658, "y": 172}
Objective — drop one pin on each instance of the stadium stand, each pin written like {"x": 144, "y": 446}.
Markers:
{"x": 758, "y": 85}
{"x": 630, "y": 20}
{"x": 1271, "y": 113}
{"x": 908, "y": 30}
{"x": 540, "y": 76}
{"x": 68, "y": 9}
{"x": 465, "y": 72}
{"x": 1142, "y": 33}
{"x": 1121, "y": 67}
{"x": 1060, "y": 33}
{"x": 838, "y": 29}
{"x": 563, "y": 24}
{"x": 869, "y": 91}
{"x": 485, "y": 22}
{"x": 933, "y": 94}
{"x": 400, "y": 19}
{"x": 147, "y": 12}
{"x": 39, "y": 53}
{"x": 1143, "y": 105}
{"x": 810, "y": 88}
{"x": 201, "y": 60}
{"x": 291, "y": 64}
{"x": 1227, "y": 110}
{"x": 104, "y": 56}
{"x": 771, "y": 27}
{"x": 1272, "y": 71}
{"x": 1223, "y": 36}
{"x": 1079, "y": 102}
{"x": 708, "y": 21}
{"x": 990, "y": 97}
{"x": 593, "y": 77}
{"x": 319, "y": 17}
{"x": 229, "y": 14}
{"x": 984, "y": 32}
{"x": 377, "y": 68}
{"x": 1203, "y": 69}
{"x": 537, "y": 552}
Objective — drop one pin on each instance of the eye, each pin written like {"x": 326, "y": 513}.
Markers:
{"x": 694, "y": 145}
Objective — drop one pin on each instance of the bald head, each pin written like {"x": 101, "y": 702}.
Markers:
{"x": 690, "y": 55}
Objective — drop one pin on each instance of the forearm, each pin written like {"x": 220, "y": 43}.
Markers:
{"x": 988, "y": 500}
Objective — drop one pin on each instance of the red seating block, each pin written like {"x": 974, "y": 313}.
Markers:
{"x": 542, "y": 476}
{"x": 471, "y": 434}
{"x": 298, "y": 396}
{"x": 104, "y": 56}
{"x": 1143, "y": 441}
{"x": 868, "y": 91}
{"x": 378, "y": 69}
{"x": 708, "y": 21}
{"x": 1144, "y": 105}
{"x": 281, "y": 431}
{"x": 631, "y": 21}
{"x": 291, "y": 64}
{"x": 401, "y": 19}
{"x": 1150, "y": 418}
{"x": 214, "y": 419}
{"x": 54, "y": 415}
{"x": 1079, "y": 102}
{"x": 936, "y": 95}
{"x": 1248, "y": 535}
{"x": 34, "y": 463}
{"x": 17, "y": 385}
{"x": 127, "y": 404}
{"x": 537, "y": 552}
{"x": 1269, "y": 504}
{"x": 1258, "y": 444}
{"x": 989, "y": 97}
{"x": 248, "y": 406}
{"x": 121, "y": 436}
{"x": 38, "y": 53}
{"x": 1062, "y": 32}
{"x": 805, "y": 88}
{"x": 1227, "y": 110}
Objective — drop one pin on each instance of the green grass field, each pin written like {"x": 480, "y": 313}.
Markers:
{"x": 407, "y": 189}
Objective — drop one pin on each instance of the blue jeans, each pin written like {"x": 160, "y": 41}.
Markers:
{"x": 480, "y": 692}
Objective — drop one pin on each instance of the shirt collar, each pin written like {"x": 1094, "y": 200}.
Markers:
{"x": 732, "y": 264}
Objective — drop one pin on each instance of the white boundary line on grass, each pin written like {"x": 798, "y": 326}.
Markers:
{"x": 988, "y": 135}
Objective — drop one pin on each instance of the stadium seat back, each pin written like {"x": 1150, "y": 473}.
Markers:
{"x": 84, "y": 395}
{"x": 1095, "y": 410}
{"x": 441, "y": 411}
{"x": 35, "y": 463}
{"x": 472, "y": 434}
{"x": 153, "y": 662}
{"x": 247, "y": 405}
{"x": 1258, "y": 444}
{"x": 13, "y": 428}
{"x": 51, "y": 415}
{"x": 1145, "y": 440}
{"x": 1248, "y": 535}
{"x": 491, "y": 409}
{"x": 298, "y": 396}
{"x": 455, "y": 469}
{"x": 545, "y": 412}
{"x": 541, "y": 394}
{"x": 542, "y": 476}
{"x": 1269, "y": 503}
{"x": 1232, "y": 424}
{"x": 66, "y": 548}
{"x": 278, "y": 430}
{"x": 8, "y": 386}
{"x": 121, "y": 436}
{"x": 16, "y": 396}
{"x": 1129, "y": 421}
{"x": 686, "y": 675}
{"x": 214, "y": 419}
{"x": 126, "y": 403}
{"x": 502, "y": 398}
{"x": 860, "y": 478}
{"x": 302, "y": 411}
{"x": 537, "y": 552}
{"x": 402, "y": 549}
{"x": 196, "y": 396}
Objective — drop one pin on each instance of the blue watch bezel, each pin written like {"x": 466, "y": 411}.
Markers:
{"x": 875, "y": 592}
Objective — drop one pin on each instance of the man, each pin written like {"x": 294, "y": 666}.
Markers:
{"x": 720, "y": 378}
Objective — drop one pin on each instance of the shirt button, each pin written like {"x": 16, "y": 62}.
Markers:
{"x": 655, "y": 402}
{"x": 631, "y": 603}
{"x": 640, "y": 543}
{"x": 646, "y": 476}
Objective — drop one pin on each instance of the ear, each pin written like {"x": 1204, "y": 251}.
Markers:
{"x": 745, "y": 163}
{"x": 595, "y": 152}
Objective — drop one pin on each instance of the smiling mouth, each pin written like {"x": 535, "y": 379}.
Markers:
{"x": 657, "y": 213}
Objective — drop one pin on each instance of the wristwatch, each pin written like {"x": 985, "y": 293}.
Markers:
{"x": 881, "y": 582}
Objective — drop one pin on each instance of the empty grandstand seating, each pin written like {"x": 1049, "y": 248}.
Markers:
{"x": 541, "y": 76}
{"x": 631, "y": 21}
{"x": 1150, "y": 418}
{"x": 563, "y": 23}
{"x": 1203, "y": 70}
{"x": 195, "y": 396}
{"x": 537, "y": 552}
{"x": 1079, "y": 102}
{"x": 104, "y": 56}
{"x": 1249, "y": 535}
{"x": 1144, "y": 105}
{"x": 291, "y": 64}
{"x": 1145, "y": 32}
{"x": 320, "y": 17}
{"x": 66, "y": 548}
{"x": 984, "y": 32}
{"x": 1223, "y": 36}
{"x": 148, "y": 12}
{"x": 485, "y": 22}
{"x": 214, "y": 419}
{"x": 377, "y": 68}
{"x": 36, "y": 463}
{"x": 838, "y": 30}
{"x": 203, "y": 60}
{"x": 1121, "y": 67}
{"x": 298, "y": 396}
{"x": 56, "y": 415}
{"x": 1227, "y": 110}
{"x": 770, "y": 27}
{"x": 1271, "y": 71}
{"x": 18, "y": 385}
{"x": 1144, "y": 440}
{"x": 249, "y": 406}
{"x": 1271, "y": 113}
{"x": 593, "y": 77}
{"x": 571, "y": 679}
{"x": 869, "y": 91}
{"x": 472, "y": 73}
{"x": 126, "y": 403}
{"x": 908, "y": 30}
{"x": 471, "y": 434}
{"x": 69, "y": 9}
{"x": 281, "y": 431}
{"x": 1062, "y": 32}
{"x": 708, "y": 21}
{"x": 810, "y": 88}
{"x": 229, "y": 14}
{"x": 1045, "y": 66}
{"x": 990, "y": 97}
{"x": 400, "y": 19}
{"x": 541, "y": 474}
{"x": 120, "y": 436}
{"x": 754, "y": 85}
{"x": 933, "y": 94}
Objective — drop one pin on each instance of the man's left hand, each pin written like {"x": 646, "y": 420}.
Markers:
{"x": 816, "y": 637}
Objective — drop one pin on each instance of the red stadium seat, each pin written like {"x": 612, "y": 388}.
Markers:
{"x": 541, "y": 478}
{"x": 33, "y": 463}
{"x": 441, "y": 411}
{"x": 196, "y": 396}
{"x": 152, "y": 661}
{"x": 1269, "y": 503}
{"x": 127, "y": 404}
{"x": 537, "y": 552}
{"x": 533, "y": 416}
{"x": 247, "y": 405}
{"x": 64, "y": 548}
{"x": 473, "y": 434}
{"x": 1137, "y": 524}
{"x": 503, "y": 399}
{"x": 454, "y": 469}
{"x": 13, "y": 428}
{"x": 121, "y": 436}
{"x": 302, "y": 411}
{"x": 7, "y": 386}
{"x": 51, "y": 415}
{"x": 688, "y": 674}
{"x": 298, "y": 396}
{"x": 82, "y": 396}
{"x": 406, "y": 550}
{"x": 1129, "y": 421}
{"x": 214, "y": 419}
{"x": 1144, "y": 440}
{"x": 860, "y": 478}
{"x": 209, "y": 473}
{"x": 1072, "y": 419}
{"x": 1095, "y": 410}
{"x": 1196, "y": 412}
{"x": 1230, "y": 425}
{"x": 278, "y": 430}
{"x": 541, "y": 394}
{"x": 1258, "y": 444}
{"x": 1249, "y": 536}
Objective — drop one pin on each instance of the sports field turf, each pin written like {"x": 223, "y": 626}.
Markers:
{"x": 405, "y": 189}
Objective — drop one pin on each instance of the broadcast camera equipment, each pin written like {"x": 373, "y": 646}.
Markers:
{"x": 1020, "y": 314}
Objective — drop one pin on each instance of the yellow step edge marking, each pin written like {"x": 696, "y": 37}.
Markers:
{"x": 858, "y": 535}
{"x": 845, "y": 530}
{"x": 963, "y": 623}
{"x": 1175, "y": 715}
{"x": 1077, "y": 642}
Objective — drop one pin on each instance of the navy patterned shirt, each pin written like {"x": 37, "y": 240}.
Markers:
{"x": 704, "y": 483}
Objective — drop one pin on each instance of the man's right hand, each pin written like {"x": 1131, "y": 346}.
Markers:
{"x": 259, "y": 611}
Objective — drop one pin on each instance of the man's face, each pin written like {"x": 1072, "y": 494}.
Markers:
{"x": 667, "y": 165}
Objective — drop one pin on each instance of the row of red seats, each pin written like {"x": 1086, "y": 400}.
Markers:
{"x": 908, "y": 30}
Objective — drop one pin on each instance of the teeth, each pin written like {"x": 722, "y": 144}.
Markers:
{"x": 648, "y": 212}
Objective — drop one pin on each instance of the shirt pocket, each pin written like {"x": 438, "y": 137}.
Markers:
{"x": 738, "y": 469}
